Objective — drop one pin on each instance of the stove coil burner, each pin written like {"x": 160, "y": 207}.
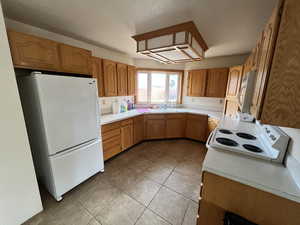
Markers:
{"x": 252, "y": 148}
{"x": 227, "y": 141}
{"x": 246, "y": 136}
{"x": 224, "y": 131}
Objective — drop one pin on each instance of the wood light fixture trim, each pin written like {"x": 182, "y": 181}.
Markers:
{"x": 175, "y": 44}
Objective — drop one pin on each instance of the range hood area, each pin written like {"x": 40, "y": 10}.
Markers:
{"x": 176, "y": 44}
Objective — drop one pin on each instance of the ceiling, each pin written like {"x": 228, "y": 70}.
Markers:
{"x": 228, "y": 26}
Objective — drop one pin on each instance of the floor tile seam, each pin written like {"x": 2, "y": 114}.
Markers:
{"x": 160, "y": 216}
{"x": 170, "y": 189}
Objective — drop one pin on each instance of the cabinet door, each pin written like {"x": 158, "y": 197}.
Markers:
{"x": 122, "y": 79}
{"x": 97, "y": 73}
{"x": 175, "y": 126}
{"x": 234, "y": 81}
{"x": 126, "y": 136}
{"x": 155, "y": 128}
{"x": 211, "y": 125}
{"x": 216, "y": 83}
{"x": 33, "y": 52}
{"x": 267, "y": 50}
{"x": 75, "y": 60}
{"x": 197, "y": 83}
{"x": 131, "y": 80}
{"x": 110, "y": 78}
{"x": 138, "y": 129}
{"x": 230, "y": 108}
{"x": 196, "y": 127}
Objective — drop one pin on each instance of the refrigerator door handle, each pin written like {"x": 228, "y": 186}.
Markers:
{"x": 77, "y": 147}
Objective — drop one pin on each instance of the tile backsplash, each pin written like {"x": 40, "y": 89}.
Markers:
{"x": 105, "y": 103}
{"x": 213, "y": 104}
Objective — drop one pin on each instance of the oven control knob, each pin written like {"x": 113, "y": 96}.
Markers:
{"x": 272, "y": 137}
{"x": 267, "y": 130}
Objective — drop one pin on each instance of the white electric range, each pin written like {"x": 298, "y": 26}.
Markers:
{"x": 265, "y": 142}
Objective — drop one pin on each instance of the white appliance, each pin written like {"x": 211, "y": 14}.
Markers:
{"x": 62, "y": 120}
{"x": 246, "y": 91}
{"x": 265, "y": 142}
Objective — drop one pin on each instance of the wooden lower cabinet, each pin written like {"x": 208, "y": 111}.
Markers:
{"x": 138, "y": 129}
{"x": 211, "y": 125}
{"x": 111, "y": 136}
{"x": 126, "y": 134}
{"x": 196, "y": 127}
{"x": 219, "y": 194}
{"x": 175, "y": 125}
{"x": 155, "y": 126}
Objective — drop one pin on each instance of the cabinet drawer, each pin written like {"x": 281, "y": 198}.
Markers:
{"x": 175, "y": 116}
{"x": 126, "y": 122}
{"x": 108, "y": 153}
{"x": 155, "y": 116}
{"x": 110, "y": 126}
{"x": 109, "y": 134}
{"x": 111, "y": 142}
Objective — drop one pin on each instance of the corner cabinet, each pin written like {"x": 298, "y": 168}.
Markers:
{"x": 75, "y": 60}
{"x": 175, "y": 125}
{"x": 33, "y": 52}
{"x": 155, "y": 126}
{"x": 196, "y": 127}
{"x": 138, "y": 129}
{"x": 98, "y": 74}
{"x": 216, "y": 83}
{"x": 110, "y": 78}
{"x": 197, "y": 83}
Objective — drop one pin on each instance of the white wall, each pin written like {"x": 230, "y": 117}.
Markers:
{"x": 96, "y": 51}
{"x": 149, "y": 63}
{"x": 19, "y": 193}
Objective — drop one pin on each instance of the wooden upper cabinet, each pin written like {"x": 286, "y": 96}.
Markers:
{"x": 110, "y": 78}
{"x": 98, "y": 74}
{"x": 234, "y": 81}
{"x": 131, "y": 79}
{"x": 122, "y": 79}
{"x": 216, "y": 83}
{"x": 33, "y": 52}
{"x": 267, "y": 51}
{"x": 197, "y": 83}
{"x": 75, "y": 60}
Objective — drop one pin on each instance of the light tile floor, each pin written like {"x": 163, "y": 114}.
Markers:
{"x": 153, "y": 183}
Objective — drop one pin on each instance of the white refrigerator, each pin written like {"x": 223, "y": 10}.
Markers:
{"x": 63, "y": 124}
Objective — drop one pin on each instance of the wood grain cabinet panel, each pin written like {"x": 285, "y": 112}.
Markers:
{"x": 126, "y": 136}
{"x": 75, "y": 60}
{"x": 138, "y": 129}
{"x": 196, "y": 127}
{"x": 122, "y": 79}
{"x": 231, "y": 107}
{"x": 197, "y": 83}
{"x": 111, "y": 136}
{"x": 175, "y": 126}
{"x": 234, "y": 81}
{"x": 155, "y": 126}
{"x": 110, "y": 78}
{"x": 33, "y": 52}
{"x": 221, "y": 194}
{"x": 98, "y": 74}
{"x": 216, "y": 83}
{"x": 131, "y": 79}
{"x": 211, "y": 125}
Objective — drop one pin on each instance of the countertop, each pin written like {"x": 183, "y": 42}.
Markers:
{"x": 270, "y": 177}
{"x": 109, "y": 118}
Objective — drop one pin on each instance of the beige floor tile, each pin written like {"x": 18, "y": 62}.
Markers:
{"x": 150, "y": 218}
{"x": 187, "y": 185}
{"x": 158, "y": 173}
{"x": 122, "y": 211}
{"x": 143, "y": 190}
{"x": 169, "y": 205}
{"x": 190, "y": 217}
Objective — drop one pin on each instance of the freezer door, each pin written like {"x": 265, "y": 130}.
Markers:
{"x": 70, "y": 111}
{"x": 74, "y": 166}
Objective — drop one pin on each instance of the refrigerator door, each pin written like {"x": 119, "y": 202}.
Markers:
{"x": 69, "y": 109}
{"x": 74, "y": 166}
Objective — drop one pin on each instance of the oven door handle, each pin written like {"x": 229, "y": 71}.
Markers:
{"x": 209, "y": 138}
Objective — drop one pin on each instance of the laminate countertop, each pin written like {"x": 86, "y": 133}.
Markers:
{"x": 109, "y": 118}
{"x": 270, "y": 177}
